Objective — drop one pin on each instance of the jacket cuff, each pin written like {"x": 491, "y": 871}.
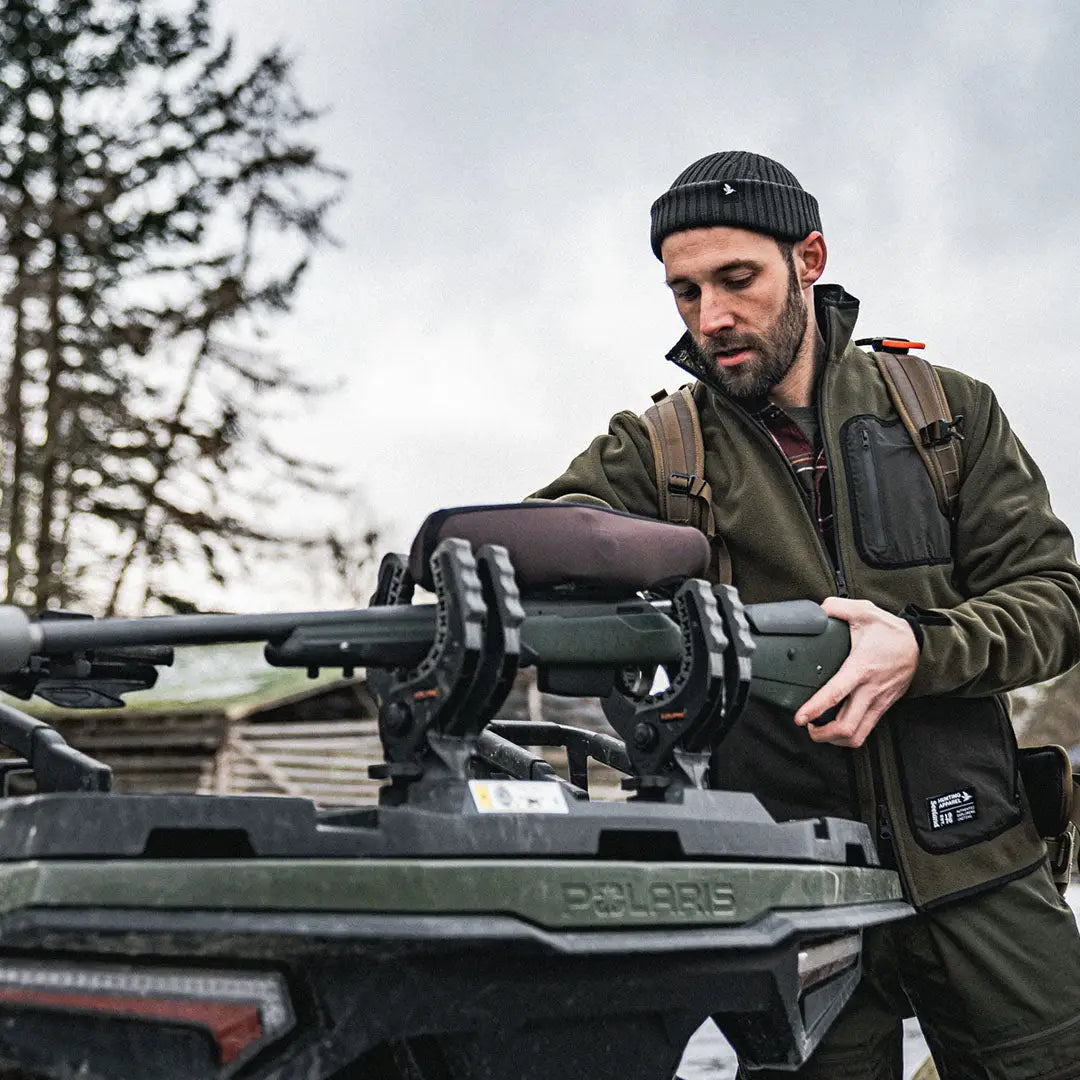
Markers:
{"x": 917, "y": 617}
{"x": 916, "y": 629}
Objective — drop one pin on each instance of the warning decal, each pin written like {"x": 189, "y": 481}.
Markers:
{"x": 518, "y": 797}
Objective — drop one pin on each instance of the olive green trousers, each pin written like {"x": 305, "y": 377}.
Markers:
{"x": 993, "y": 979}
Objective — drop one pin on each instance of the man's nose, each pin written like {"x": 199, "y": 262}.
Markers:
{"x": 715, "y": 313}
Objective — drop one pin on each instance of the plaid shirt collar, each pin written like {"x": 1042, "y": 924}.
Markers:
{"x": 809, "y": 465}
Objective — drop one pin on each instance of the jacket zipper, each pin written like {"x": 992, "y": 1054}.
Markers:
{"x": 883, "y": 824}
{"x": 874, "y": 810}
{"x": 838, "y": 569}
{"x": 870, "y": 472}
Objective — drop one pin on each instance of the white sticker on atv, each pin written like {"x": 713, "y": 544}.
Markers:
{"x": 518, "y": 797}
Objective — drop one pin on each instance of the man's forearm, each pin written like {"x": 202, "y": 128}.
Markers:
{"x": 615, "y": 470}
{"x": 1014, "y": 636}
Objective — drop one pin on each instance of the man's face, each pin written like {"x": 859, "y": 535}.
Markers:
{"x": 739, "y": 297}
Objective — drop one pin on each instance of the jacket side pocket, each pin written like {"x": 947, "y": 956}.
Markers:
{"x": 957, "y": 763}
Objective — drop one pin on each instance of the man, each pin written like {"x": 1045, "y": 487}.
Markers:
{"x": 819, "y": 492}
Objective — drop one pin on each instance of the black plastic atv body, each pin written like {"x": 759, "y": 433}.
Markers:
{"x": 527, "y": 932}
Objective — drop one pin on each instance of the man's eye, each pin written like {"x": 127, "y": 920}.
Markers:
{"x": 686, "y": 292}
{"x": 740, "y": 282}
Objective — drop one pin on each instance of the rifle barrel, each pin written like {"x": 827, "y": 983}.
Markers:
{"x": 797, "y": 645}
{"x": 580, "y": 634}
{"x": 57, "y": 638}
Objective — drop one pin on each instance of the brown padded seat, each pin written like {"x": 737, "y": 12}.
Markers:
{"x": 559, "y": 545}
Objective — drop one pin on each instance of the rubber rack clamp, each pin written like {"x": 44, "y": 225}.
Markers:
{"x": 669, "y": 736}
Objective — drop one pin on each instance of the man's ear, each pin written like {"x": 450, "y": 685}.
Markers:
{"x": 810, "y": 255}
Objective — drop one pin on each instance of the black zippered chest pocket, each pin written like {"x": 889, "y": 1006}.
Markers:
{"x": 895, "y": 514}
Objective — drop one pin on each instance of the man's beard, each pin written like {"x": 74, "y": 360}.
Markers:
{"x": 775, "y": 350}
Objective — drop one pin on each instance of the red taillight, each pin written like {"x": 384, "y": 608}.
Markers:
{"x": 241, "y": 1012}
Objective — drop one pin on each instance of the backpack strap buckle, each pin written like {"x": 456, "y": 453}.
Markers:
{"x": 686, "y": 484}
{"x": 1062, "y": 851}
{"x": 939, "y": 432}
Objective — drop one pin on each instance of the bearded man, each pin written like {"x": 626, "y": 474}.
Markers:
{"x": 819, "y": 492}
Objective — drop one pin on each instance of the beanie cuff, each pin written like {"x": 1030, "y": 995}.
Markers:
{"x": 779, "y": 210}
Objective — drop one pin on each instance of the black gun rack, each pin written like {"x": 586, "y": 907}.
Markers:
{"x": 54, "y": 765}
{"x": 436, "y": 719}
{"x": 90, "y": 678}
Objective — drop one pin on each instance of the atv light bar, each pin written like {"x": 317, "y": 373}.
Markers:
{"x": 242, "y": 1013}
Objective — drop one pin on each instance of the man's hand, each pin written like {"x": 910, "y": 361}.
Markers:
{"x": 877, "y": 671}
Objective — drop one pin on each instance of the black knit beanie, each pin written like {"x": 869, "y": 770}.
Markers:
{"x": 735, "y": 187}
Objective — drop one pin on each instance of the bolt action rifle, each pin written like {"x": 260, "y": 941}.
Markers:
{"x": 441, "y": 671}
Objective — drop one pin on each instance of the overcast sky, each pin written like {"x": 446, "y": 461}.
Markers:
{"x": 495, "y": 299}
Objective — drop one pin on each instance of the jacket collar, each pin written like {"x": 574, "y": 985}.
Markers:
{"x": 836, "y": 311}
{"x": 834, "y": 308}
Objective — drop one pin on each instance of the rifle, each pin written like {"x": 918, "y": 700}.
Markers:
{"x": 442, "y": 670}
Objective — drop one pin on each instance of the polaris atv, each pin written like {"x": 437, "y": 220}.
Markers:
{"x": 486, "y": 919}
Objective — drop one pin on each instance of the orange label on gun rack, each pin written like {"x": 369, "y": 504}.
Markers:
{"x": 425, "y": 695}
{"x": 673, "y": 715}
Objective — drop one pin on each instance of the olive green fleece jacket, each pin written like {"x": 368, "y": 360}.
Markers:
{"x": 998, "y": 590}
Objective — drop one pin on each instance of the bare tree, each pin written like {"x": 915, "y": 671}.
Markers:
{"x": 157, "y": 209}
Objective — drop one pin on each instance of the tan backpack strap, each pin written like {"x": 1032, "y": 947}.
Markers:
{"x": 919, "y": 398}
{"x": 679, "y": 454}
{"x": 662, "y": 453}
{"x": 678, "y": 447}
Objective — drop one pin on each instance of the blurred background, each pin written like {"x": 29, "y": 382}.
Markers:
{"x": 343, "y": 263}
{"x": 279, "y": 277}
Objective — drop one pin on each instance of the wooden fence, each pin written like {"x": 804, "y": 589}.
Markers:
{"x": 326, "y": 761}
{"x": 316, "y": 744}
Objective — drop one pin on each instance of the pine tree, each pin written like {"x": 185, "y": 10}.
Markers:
{"x": 148, "y": 192}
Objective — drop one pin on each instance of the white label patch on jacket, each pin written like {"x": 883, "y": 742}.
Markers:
{"x": 951, "y": 809}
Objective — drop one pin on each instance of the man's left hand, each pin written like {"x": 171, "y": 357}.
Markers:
{"x": 878, "y": 669}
